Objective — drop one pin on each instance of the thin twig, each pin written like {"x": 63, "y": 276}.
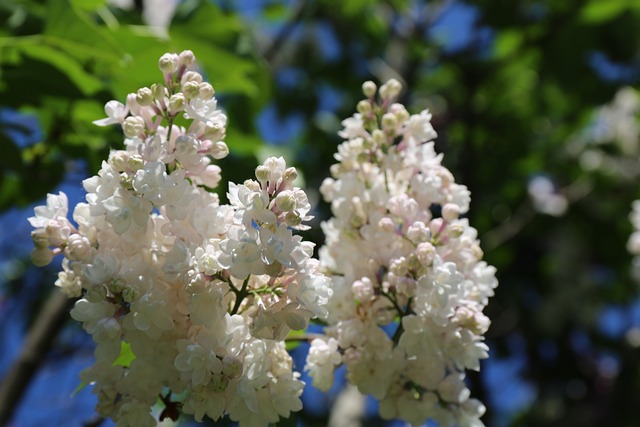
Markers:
{"x": 40, "y": 339}
{"x": 286, "y": 31}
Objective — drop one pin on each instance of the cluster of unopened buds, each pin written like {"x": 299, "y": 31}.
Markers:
{"x": 190, "y": 301}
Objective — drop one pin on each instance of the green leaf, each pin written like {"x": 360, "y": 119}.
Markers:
{"x": 66, "y": 22}
{"x": 598, "y": 11}
{"x": 508, "y": 42}
{"x": 79, "y": 388}
{"x": 214, "y": 46}
{"x": 83, "y": 80}
{"x": 241, "y": 143}
{"x": 126, "y": 355}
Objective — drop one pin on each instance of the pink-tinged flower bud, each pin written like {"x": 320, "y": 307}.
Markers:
{"x": 186, "y": 58}
{"x": 133, "y": 126}
{"x": 206, "y": 91}
{"x": 168, "y": 63}
{"x": 144, "y": 96}
{"x": 369, "y": 89}
{"x": 450, "y": 212}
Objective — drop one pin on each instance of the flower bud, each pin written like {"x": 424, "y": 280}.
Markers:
{"x": 41, "y": 256}
{"x": 285, "y": 201}
{"x": 191, "y": 89}
{"x": 129, "y": 294}
{"x": 263, "y": 173}
{"x": 390, "y": 89}
{"x": 96, "y": 293}
{"x": 290, "y": 174}
{"x": 206, "y": 91}
{"x": 450, "y": 212}
{"x": 219, "y": 150}
{"x": 168, "y": 63}
{"x": 386, "y": 224}
{"x": 40, "y": 238}
{"x": 253, "y": 186}
{"x": 363, "y": 289}
{"x": 158, "y": 91}
{"x": 144, "y": 96}
{"x": 119, "y": 160}
{"x": 116, "y": 286}
{"x": 133, "y": 126}
{"x": 186, "y": 58}
{"x": 364, "y": 107}
{"x": 192, "y": 76}
{"x": 379, "y": 137}
{"x": 389, "y": 122}
{"x": 401, "y": 113}
{"x": 293, "y": 219}
{"x": 135, "y": 162}
{"x": 78, "y": 248}
{"x": 456, "y": 230}
{"x": 177, "y": 102}
{"x": 369, "y": 89}
{"x": 213, "y": 131}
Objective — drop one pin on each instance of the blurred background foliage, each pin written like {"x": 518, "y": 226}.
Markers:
{"x": 534, "y": 104}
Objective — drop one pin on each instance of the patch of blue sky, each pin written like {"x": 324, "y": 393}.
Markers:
{"x": 277, "y": 130}
{"x": 330, "y": 99}
{"x": 456, "y": 28}
{"x": 509, "y": 393}
{"x": 329, "y": 45}
{"x": 612, "y": 71}
{"x": 23, "y": 129}
{"x": 60, "y": 407}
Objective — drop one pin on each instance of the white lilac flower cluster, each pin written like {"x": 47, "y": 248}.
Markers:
{"x": 203, "y": 294}
{"x": 400, "y": 254}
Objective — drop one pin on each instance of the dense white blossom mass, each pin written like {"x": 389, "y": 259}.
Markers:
{"x": 402, "y": 259}
{"x": 190, "y": 301}
{"x": 202, "y": 294}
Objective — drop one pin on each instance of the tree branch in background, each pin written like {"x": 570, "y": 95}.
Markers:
{"x": 39, "y": 341}
{"x": 286, "y": 31}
